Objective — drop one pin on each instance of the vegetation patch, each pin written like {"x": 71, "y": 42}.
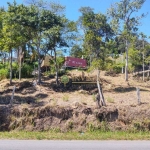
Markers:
{"x": 55, "y": 135}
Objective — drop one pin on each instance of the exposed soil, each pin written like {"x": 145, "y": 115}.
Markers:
{"x": 47, "y": 106}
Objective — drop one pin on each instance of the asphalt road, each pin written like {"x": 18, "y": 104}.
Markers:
{"x": 73, "y": 145}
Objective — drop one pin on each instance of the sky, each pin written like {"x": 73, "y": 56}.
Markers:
{"x": 72, "y": 7}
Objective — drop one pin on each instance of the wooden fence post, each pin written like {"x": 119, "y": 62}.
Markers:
{"x": 138, "y": 95}
{"x": 12, "y": 96}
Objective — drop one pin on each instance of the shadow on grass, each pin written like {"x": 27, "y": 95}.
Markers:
{"x": 33, "y": 100}
{"x": 126, "y": 89}
{"x": 19, "y": 87}
{"x": 71, "y": 87}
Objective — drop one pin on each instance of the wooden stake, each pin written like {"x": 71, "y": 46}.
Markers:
{"x": 12, "y": 96}
{"x": 138, "y": 95}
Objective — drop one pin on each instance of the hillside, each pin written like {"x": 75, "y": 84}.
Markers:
{"x": 46, "y": 106}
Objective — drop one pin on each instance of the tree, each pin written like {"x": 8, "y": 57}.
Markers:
{"x": 14, "y": 35}
{"x": 76, "y": 51}
{"x": 11, "y": 36}
{"x": 125, "y": 23}
{"x": 57, "y": 38}
{"x": 134, "y": 54}
{"x": 38, "y": 20}
{"x": 97, "y": 33}
{"x": 143, "y": 53}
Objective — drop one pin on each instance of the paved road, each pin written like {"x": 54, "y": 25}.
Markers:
{"x": 73, "y": 145}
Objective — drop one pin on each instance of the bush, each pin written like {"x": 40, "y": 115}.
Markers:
{"x": 26, "y": 70}
{"x": 1, "y": 66}
{"x": 15, "y": 68}
{"x": 3, "y": 73}
{"x": 117, "y": 68}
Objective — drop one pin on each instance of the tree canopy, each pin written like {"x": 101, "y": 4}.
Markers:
{"x": 39, "y": 28}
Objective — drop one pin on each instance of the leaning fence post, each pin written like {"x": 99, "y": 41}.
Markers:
{"x": 138, "y": 95}
{"x": 12, "y": 96}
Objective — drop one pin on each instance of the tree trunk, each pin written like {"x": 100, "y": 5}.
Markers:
{"x": 20, "y": 61}
{"x": 39, "y": 66}
{"x": 143, "y": 63}
{"x": 10, "y": 67}
{"x": 143, "y": 68}
{"x": 126, "y": 65}
{"x": 4, "y": 59}
{"x": 122, "y": 66}
{"x": 56, "y": 67}
{"x": 19, "y": 68}
{"x": 148, "y": 69}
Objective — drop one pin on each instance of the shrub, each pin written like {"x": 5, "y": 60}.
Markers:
{"x": 3, "y": 73}
{"x": 26, "y": 70}
{"x": 117, "y": 67}
{"x": 1, "y": 66}
{"x": 110, "y": 100}
{"x": 15, "y": 69}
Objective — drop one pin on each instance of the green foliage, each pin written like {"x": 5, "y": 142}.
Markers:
{"x": 64, "y": 79}
{"x": 94, "y": 97}
{"x": 1, "y": 65}
{"x": 135, "y": 57}
{"x": 60, "y": 60}
{"x": 97, "y": 64}
{"x": 65, "y": 97}
{"x": 76, "y": 51}
{"x": 123, "y": 15}
{"x": 110, "y": 100}
{"x": 125, "y": 22}
{"x": 131, "y": 68}
{"x": 117, "y": 67}
{"x": 92, "y": 128}
{"x": 104, "y": 126}
{"x": 54, "y": 134}
{"x": 15, "y": 69}
{"x": 27, "y": 70}
{"x": 97, "y": 33}
{"x": 4, "y": 73}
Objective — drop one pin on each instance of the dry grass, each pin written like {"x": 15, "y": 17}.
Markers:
{"x": 116, "y": 91}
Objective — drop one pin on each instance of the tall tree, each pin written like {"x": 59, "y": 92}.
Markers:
{"x": 38, "y": 20}
{"x": 97, "y": 33}
{"x": 11, "y": 34}
{"x": 76, "y": 51}
{"x": 58, "y": 37}
{"x": 125, "y": 22}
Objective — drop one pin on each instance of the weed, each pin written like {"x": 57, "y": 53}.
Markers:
{"x": 92, "y": 128}
{"x": 65, "y": 97}
{"x": 53, "y": 102}
{"x": 55, "y": 130}
{"x": 94, "y": 97}
{"x": 70, "y": 125}
{"x": 104, "y": 126}
{"x": 110, "y": 100}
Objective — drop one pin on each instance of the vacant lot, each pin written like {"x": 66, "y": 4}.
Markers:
{"x": 47, "y": 106}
